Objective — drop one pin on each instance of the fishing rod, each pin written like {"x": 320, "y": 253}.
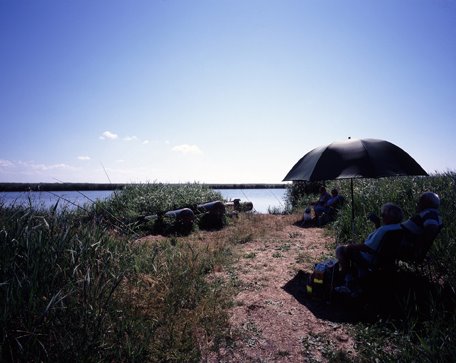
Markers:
{"x": 122, "y": 224}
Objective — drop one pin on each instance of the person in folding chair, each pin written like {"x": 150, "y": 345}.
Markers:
{"x": 357, "y": 257}
{"x": 421, "y": 229}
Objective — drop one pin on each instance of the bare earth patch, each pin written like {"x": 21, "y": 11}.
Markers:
{"x": 268, "y": 324}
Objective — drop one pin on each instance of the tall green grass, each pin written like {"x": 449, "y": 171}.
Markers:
{"x": 73, "y": 288}
{"x": 152, "y": 198}
{"x": 126, "y": 208}
{"x": 58, "y": 288}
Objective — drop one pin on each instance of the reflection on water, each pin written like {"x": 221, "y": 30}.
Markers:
{"x": 262, "y": 199}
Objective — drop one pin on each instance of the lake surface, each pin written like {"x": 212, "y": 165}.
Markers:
{"x": 263, "y": 199}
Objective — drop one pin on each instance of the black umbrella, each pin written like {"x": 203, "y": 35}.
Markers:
{"x": 362, "y": 158}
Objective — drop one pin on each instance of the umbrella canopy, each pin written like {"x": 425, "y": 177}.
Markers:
{"x": 362, "y": 158}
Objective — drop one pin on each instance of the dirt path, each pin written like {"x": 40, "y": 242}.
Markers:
{"x": 269, "y": 323}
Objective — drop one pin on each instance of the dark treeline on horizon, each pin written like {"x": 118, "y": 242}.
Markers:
{"x": 38, "y": 187}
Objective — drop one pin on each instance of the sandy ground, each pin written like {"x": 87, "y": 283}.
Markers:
{"x": 272, "y": 319}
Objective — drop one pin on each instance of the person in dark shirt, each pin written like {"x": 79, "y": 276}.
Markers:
{"x": 331, "y": 207}
{"x": 422, "y": 228}
{"x": 320, "y": 205}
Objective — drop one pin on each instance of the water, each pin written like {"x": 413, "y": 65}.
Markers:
{"x": 68, "y": 199}
{"x": 263, "y": 199}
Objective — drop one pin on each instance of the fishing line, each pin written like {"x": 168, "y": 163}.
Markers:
{"x": 66, "y": 200}
{"x": 106, "y": 173}
{"x": 77, "y": 191}
{"x": 280, "y": 202}
{"x": 122, "y": 224}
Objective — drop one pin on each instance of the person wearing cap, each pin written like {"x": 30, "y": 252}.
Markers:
{"x": 422, "y": 228}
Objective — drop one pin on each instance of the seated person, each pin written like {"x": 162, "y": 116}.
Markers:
{"x": 320, "y": 204}
{"x": 335, "y": 199}
{"x": 422, "y": 228}
{"x": 362, "y": 255}
{"x": 330, "y": 208}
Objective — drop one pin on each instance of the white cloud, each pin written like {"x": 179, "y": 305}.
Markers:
{"x": 5, "y": 163}
{"x": 130, "y": 138}
{"x": 187, "y": 149}
{"x": 82, "y": 157}
{"x": 108, "y": 135}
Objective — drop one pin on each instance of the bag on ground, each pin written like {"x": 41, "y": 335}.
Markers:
{"x": 321, "y": 281}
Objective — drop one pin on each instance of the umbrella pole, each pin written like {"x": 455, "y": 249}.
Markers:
{"x": 353, "y": 206}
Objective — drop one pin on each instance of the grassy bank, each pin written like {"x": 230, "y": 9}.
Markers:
{"x": 425, "y": 332}
{"x": 140, "y": 208}
{"x": 79, "y": 286}
{"x": 89, "y": 286}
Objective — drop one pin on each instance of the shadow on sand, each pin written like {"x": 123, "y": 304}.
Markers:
{"x": 331, "y": 309}
{"x": 389, "y": 295}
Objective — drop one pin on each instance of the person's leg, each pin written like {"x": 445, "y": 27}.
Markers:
{"x": 352, "y": 267}
{"x": 357, "y": 259}
{"x": 318, "y": 210}
{"x": 342, "y": 257}
{"x": 343, "y": 254}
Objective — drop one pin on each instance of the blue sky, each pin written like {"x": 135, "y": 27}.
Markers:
{"x": 219, "y": 91}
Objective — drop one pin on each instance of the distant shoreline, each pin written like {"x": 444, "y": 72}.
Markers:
{"x": 39, "y": 187}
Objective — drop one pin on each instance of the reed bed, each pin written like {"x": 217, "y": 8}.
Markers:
{"x": 126, "y": 209}
{"x": 76, "y": 286}
{"x": 57, "y": 286}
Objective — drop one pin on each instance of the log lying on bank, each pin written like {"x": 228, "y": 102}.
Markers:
{"x": 236, "y": 205}
{"x": 210, "y": 215}
{"x": 216, "y": 208}
{"x": 178, "y": 221}
{"x": 182, "y": 215}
